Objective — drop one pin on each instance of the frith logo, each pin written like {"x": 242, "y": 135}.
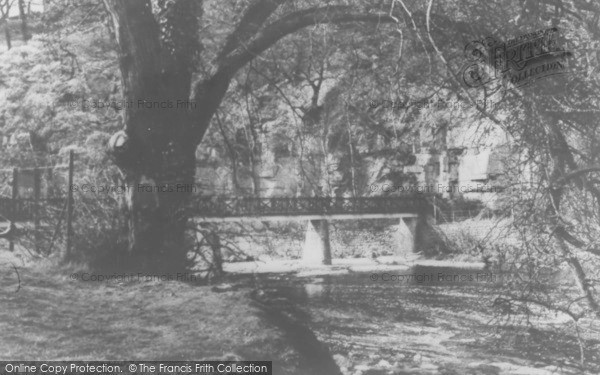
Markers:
{"x": 517, "y": 62}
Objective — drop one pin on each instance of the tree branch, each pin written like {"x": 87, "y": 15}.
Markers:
{"x": 253, "y": 19}
{"x": 209, "y": 93}
{"x": 565, "y": 179}
{"x": 295, "y": 21}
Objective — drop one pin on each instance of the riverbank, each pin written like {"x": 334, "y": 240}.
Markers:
{"x": 343, "y": 265}
{"x": 308, "y": 319}
{"x": 45, "y": 313}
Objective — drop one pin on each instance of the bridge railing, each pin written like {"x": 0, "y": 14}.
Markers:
{"x": 25, "y": 209}
{"x": 244, "y": 206}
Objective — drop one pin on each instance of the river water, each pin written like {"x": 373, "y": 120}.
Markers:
{"x": 423, "y": 320}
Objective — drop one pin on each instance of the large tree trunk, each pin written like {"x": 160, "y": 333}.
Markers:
{"x": 160, "y": 166}
{"x": 159, "y": 213}
{"x": 156, "y": 150}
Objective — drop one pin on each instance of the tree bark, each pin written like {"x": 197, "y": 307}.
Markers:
{"x": 23, "y": 16}
{"x": 155, "y": 151}
{"x": 8, "y": 231}
{"x": 561, "y": 157}
{"x": 7, "y": 35}
{"x": 158, "y": 212}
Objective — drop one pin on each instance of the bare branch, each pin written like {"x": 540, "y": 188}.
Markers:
{"x": 254, "y": 18}
{"x": 295, "y": 21}
{"x": 209, "y": 93}
{"x": 565, "y": 179}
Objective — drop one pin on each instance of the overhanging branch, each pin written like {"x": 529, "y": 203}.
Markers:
{"x": 209, "y": 93}
{"x": 565, "y": 179}
{"x": 295, "y": 21}
{"x": 251, "y": 22}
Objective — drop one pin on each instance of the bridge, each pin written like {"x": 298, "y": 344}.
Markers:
{"x": 215, "y": 209}
{"x": 318, "y": 211}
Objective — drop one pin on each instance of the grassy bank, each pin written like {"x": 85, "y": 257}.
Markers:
{"x": 53, "y": 317}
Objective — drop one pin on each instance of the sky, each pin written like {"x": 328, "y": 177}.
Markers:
{"x": 36, "y": 6}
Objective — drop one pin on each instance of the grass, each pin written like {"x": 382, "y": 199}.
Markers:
{"x": 53, "y": 317}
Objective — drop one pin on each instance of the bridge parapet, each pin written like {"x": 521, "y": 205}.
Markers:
{"x": 304, "y": 206}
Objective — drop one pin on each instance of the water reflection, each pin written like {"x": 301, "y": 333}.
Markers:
{"x": 357, "y": 287}
{"x": 425, "y": 283}
{"x": 314, "y": 290}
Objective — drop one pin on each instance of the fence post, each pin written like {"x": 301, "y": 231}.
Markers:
{"x": 69, "y": 207}
{"x": 15, "y": 195}
{"x": 434, "y": 212}
{"x": 36, "y": 208}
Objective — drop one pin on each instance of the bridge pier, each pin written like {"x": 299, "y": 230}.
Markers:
{"x": 407, "y": 235}
{"x": 317, "y": 249}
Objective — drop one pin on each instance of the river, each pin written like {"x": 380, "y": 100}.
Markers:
{"x": 423, "y": 320}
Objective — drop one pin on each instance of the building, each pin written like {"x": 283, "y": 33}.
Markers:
{"x": 457, "y": 162}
